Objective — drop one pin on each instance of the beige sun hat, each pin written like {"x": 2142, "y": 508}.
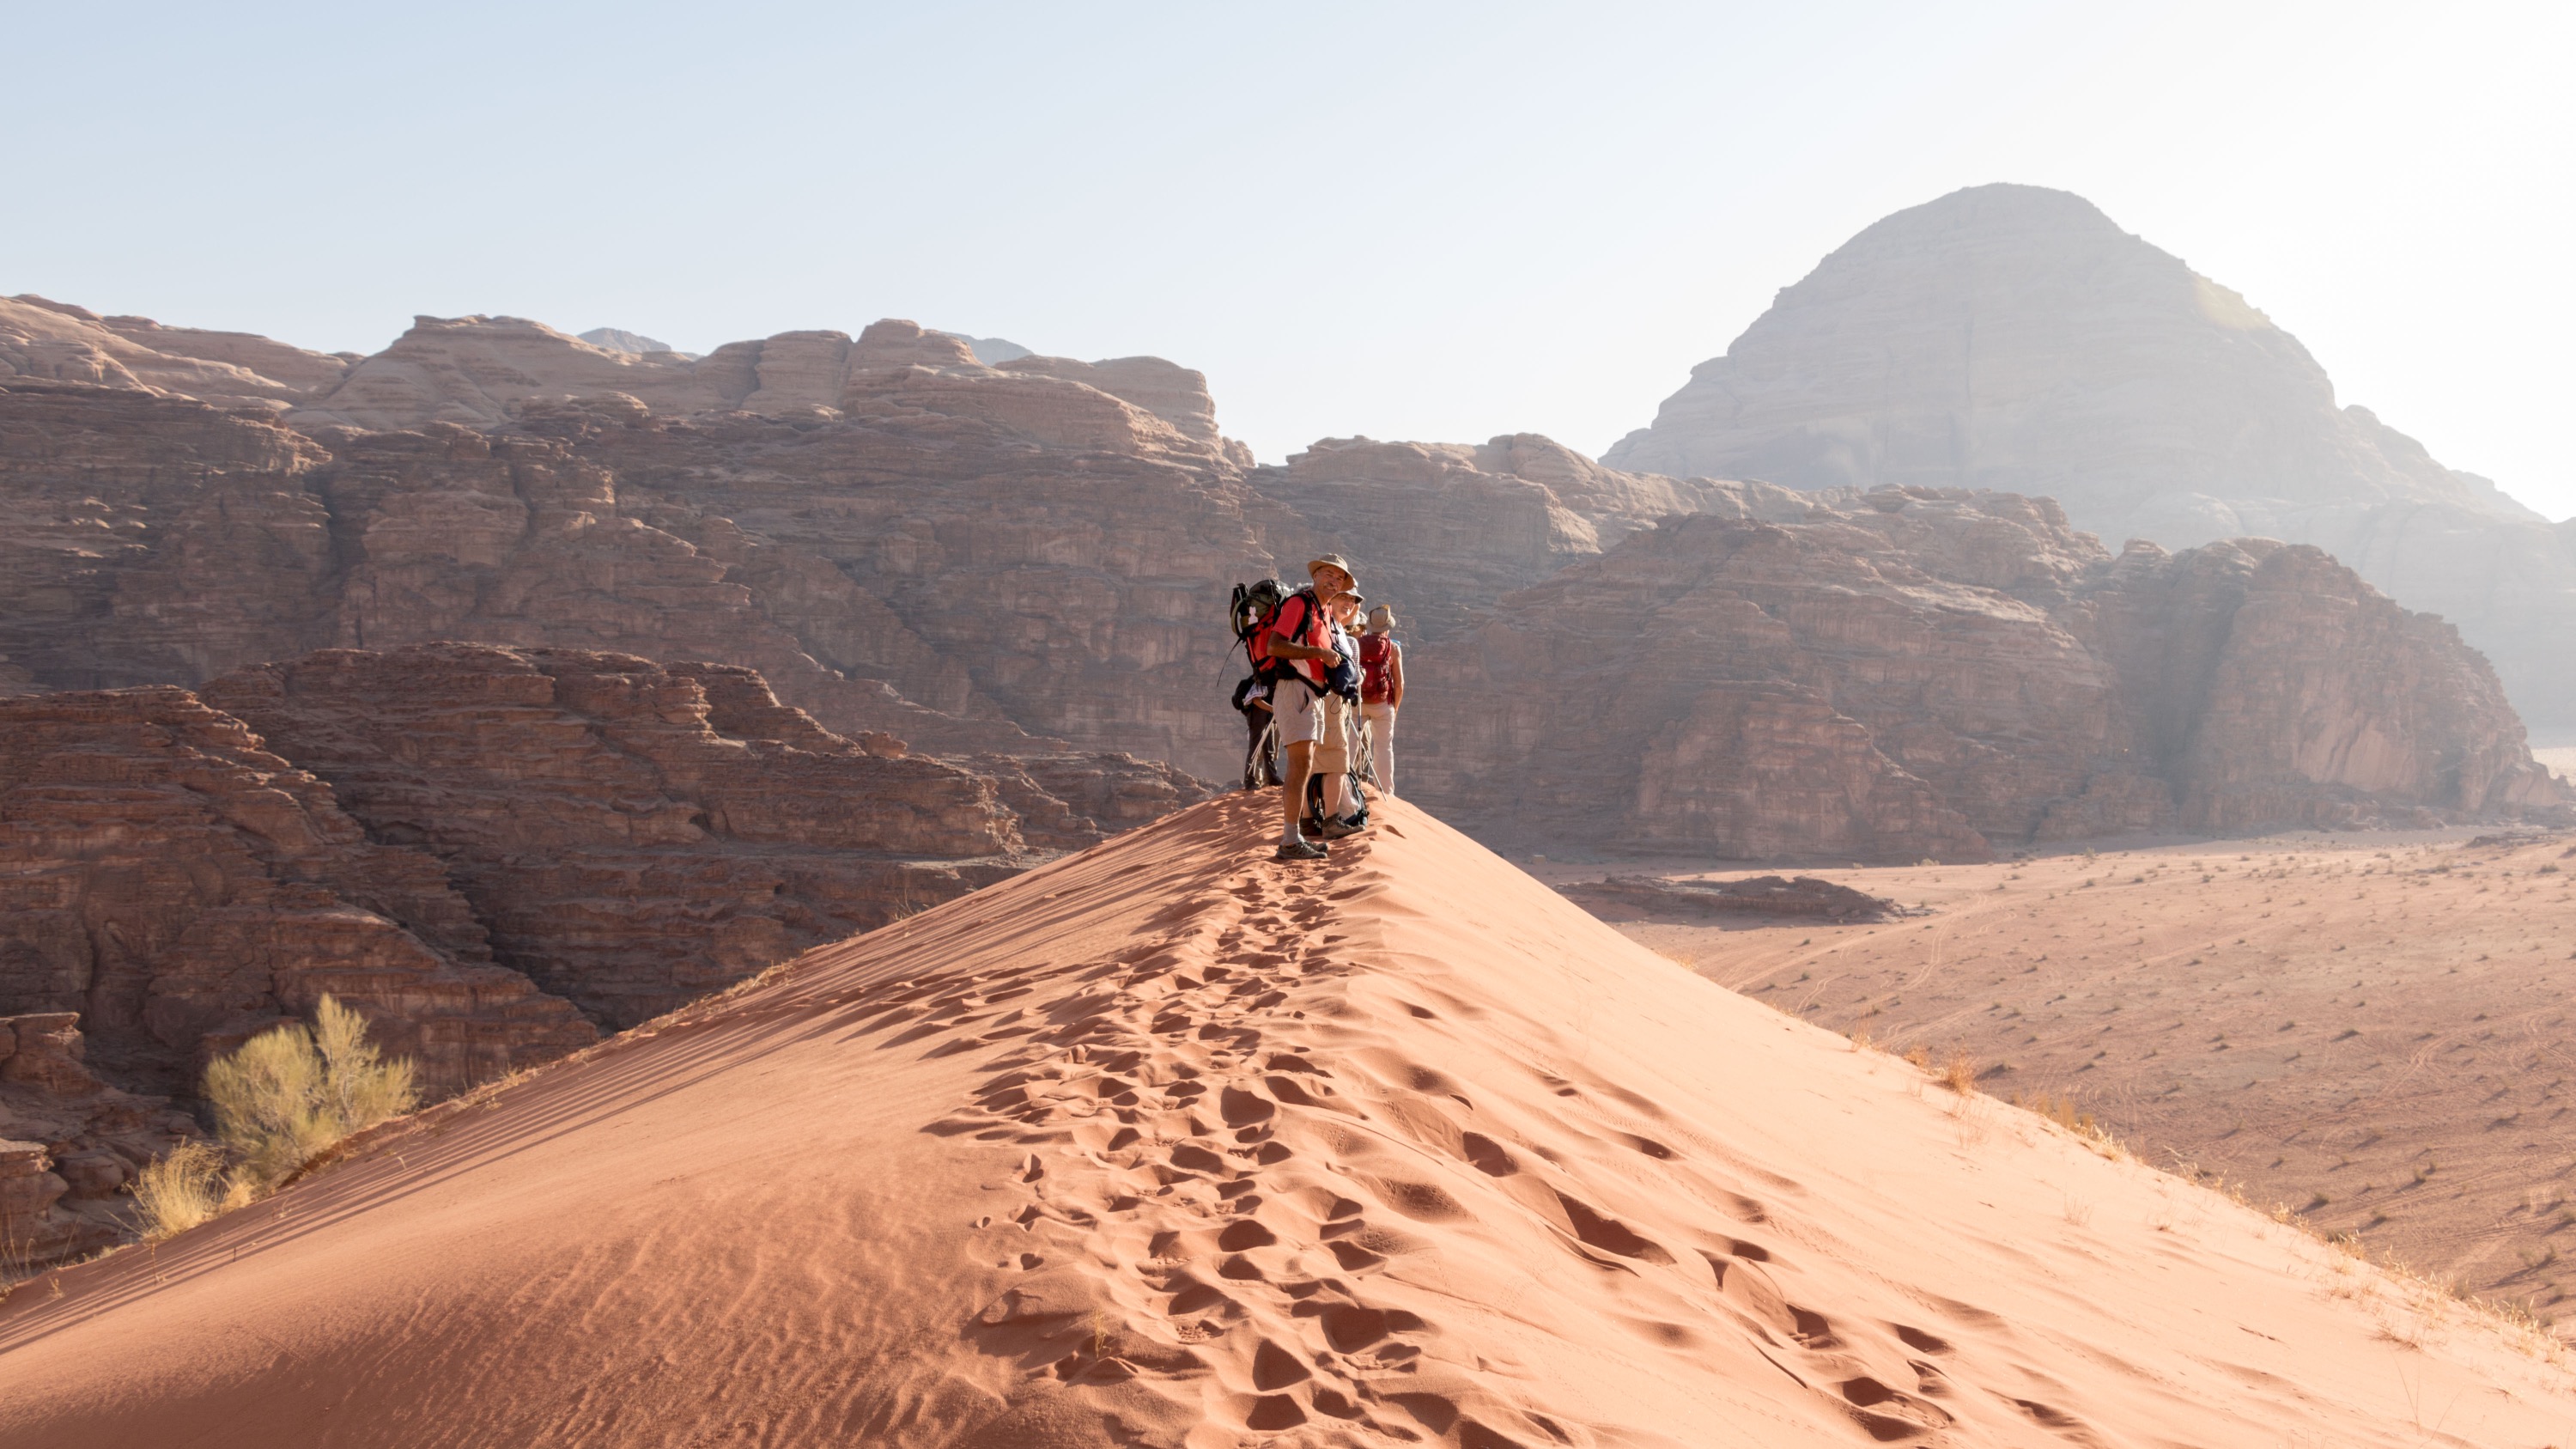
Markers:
{"x": 1381, "y": 620}
{"x": 1334, "y": 560}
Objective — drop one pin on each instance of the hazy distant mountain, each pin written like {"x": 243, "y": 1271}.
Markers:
{"x": 992, "y": 351}
{"x": 2014, "y": 337}
{"x": 618, "y": 339}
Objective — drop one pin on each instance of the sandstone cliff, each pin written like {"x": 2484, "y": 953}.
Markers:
{"x": 1441, "y": 530}
{"x": 974, "y": 559}
{"x": 2012, "y": 337}
{"x": 1942, "y": 673}
{"x": 152, "y": 540}
{"x": 54, "y": 340}
{"x": 180, "y": 887}
{"x": 626, "y": 851}
{"x": 490, "y": 853}
{"x": 69, "y": 1144}
{"x": 2269, "y": 683}
{"x": 479, "y": 371}
{"x": 1023, "y": 566}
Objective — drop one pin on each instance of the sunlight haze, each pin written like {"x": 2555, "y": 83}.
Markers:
{"x": 1433, "y": 222}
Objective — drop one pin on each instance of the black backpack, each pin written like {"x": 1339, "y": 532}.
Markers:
{"x": 1253, "y": 606}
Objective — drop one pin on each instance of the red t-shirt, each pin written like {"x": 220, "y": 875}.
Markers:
{"x": 1300, "y": 620}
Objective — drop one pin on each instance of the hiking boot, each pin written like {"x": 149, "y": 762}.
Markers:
{"x": 1300, "y": 849}
{"x": 1338, "y": 826}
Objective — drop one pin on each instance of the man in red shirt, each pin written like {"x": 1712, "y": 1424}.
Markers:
{"x": 1301, "y": 638}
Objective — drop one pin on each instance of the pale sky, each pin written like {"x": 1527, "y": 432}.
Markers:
{"x": 1409, "y": 221}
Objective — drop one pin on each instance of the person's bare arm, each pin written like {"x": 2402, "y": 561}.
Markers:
{"x": 1282, "y": 649}
{"x": 1395, "y": 678}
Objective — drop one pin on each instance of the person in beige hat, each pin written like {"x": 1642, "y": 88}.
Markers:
{"x": 1381, "y": 693}
{"x": 1337, "y": 737}
{"x": 1296, "y": 652}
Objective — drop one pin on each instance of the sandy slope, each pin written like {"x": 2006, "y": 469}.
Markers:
{"x": 1166, "y": 1143}
{"x": 2371, "y": 1029}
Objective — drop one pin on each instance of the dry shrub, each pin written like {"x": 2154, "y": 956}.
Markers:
{"x": 359, "y": 1087}
{"x": 289, "y": 1093}
{"x": 1959, "y": 1074}
{"x": 2061, "y": 1109}
{"x": 179, "y": 1191}
{"x": 266, "y": 1097}
{"x": 1920, "y": 1056}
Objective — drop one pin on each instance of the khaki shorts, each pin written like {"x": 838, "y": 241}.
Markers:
{"x": 1333, "y": 741}
{"x": 1301, "y": 719}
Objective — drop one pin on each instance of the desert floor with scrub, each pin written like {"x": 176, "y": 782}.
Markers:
{"x": 2366, "y": 1028}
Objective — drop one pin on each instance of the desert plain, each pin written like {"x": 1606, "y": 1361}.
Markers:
{"x": 2366, "y": 1029}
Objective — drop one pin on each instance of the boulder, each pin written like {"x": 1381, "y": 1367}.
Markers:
{"x": 70, "y": 1145}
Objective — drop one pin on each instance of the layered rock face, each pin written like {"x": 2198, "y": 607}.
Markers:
{"x": 1440, "y": 530}
{"x": 180, "y": 887}
{"x": 70, "y": 1144}
{"x": 2012, "y": 337}
{"x": 633, "y": 836}
{"x": 492, "y": 853}
{"x": 41, "y": 339}
{"x": 1013, "y": 567}
{"x": 2268, "y": 682}
{"x": 481, "y": 371}
{"x": 978, "y": 560}
{"x": 1926, "y": 673}
{"x": 152, "y": 540}
{"x": 1022, "y": 566}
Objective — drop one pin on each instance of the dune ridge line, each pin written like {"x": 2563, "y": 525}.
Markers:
{"x": 1167, "y": 1143}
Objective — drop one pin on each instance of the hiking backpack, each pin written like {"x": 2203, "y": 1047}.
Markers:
{"x": 1377, "y": 667}
{"x": 1254, "y": 605}
{"x": 1255, "y": 608}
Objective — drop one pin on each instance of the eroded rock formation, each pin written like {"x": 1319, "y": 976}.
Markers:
{"x": 70, "y": 1144}
{"x": 2013, "y": 337}
{"x": 973, "y": 559}
{"x": 492, "y": 854}
{"x": 1443, "y": 529}
{"x": 2267, "y": 682}
{"x": 635, "y": 835}
{"x": 58, "y": 341}
{"x": 1023, "y": 566}
{"x": 1927, "y": 673}
{"x": 180, "y": 887}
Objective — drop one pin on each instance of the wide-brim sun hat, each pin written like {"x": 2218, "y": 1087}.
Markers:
{"x": 1381, "y": 620}
{"x": 1334, "y": 560}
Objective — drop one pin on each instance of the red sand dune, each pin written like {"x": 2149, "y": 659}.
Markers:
{"x": 1169, "y": 1144}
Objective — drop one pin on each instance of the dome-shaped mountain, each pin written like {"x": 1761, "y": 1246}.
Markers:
{"x": 2014, "y": 337}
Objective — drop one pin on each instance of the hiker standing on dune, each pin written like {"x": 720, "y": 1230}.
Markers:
{"x": 1336, "y": 737}
{"x": 1381, "y": 693}
{"x": 1299, "y": 639}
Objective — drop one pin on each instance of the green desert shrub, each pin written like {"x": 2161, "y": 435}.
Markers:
{"x": 290, "y": 1092}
